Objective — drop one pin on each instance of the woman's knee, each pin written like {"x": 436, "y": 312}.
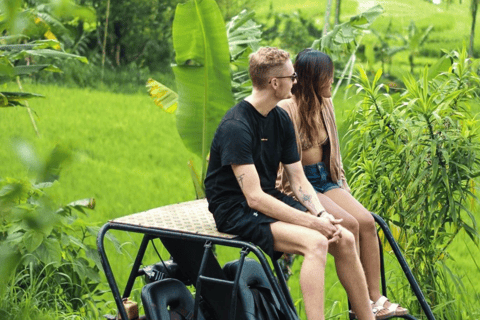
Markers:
{"x": 367, "y": 223}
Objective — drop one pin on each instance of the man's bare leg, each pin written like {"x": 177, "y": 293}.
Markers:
{"x": 313, "y": 246}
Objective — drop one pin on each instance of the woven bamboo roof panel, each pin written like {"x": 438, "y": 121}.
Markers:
{"x": 185, "y": 217}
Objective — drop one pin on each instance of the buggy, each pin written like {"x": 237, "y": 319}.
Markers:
{"x": 242, "y": 289}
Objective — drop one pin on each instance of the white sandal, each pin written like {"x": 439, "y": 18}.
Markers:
{"x": 378, "y": 312}
{"x": 394, "y": 309}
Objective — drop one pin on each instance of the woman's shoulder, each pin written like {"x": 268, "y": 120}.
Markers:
{"x": 288, "y": 105}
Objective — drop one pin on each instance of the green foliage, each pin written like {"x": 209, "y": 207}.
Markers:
{"x": 244, "y": 36}
{"x": 138, "y": 31}
{"x": 44, "y": 248}
{"x": 23, "y": 59}
{"x": 292, "y": 30}
{"x": 12, "y": 64}
{"x": 344, "y": 37}
{"x": 413, "y": 41}
{"x": 413, "y": 159}
{"x": 344, "y": 40}
{"x": 206, "y": 52}
{"x": 202, "y": 73}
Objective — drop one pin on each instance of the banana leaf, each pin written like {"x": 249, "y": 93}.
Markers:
{"x": 163, "y": 96}
{"x": 202, "y": 73}
{"x": 23, "y": 70}
{"x": 20, "y": 95}
{"x": 48, "y": 53}
{"x": 12, "y": 99}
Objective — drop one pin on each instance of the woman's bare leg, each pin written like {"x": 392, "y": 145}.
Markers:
{"x": 342, "y": 204}
{"x": 351, "y": 274}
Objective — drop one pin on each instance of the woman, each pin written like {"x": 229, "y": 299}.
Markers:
{"x": 311, "y": 111}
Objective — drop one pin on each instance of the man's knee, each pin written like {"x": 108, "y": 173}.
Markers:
{"x": 348, "y": 240}
{"x": 351, "y": 224}
{"x": 317, "y": 246}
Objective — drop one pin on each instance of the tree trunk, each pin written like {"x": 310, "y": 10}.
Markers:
{"x": 104, "y": 46}
{"x": 337, "y": 11}
{"x": 327, "y": 17}
{"x": 473, "y": 11}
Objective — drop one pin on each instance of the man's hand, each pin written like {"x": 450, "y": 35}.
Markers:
{"x": 329, "y": 227}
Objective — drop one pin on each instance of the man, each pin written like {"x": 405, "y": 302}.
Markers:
{"x": 250, "y": 142}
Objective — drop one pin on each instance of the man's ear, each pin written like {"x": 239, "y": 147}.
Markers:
{"x": 274, "y": 83}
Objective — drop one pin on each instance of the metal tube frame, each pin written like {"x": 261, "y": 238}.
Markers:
{"x": 406, "y": 270}
{"x": 150, "y": 233}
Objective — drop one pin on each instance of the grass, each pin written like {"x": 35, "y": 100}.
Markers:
{"x": 130, "y": 158}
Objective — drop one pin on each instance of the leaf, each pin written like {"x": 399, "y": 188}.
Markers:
{"x": 197, "y": 182}
{"x": 93, "y": 255}
{"x": 23, "y": 70}
{"x": 17, "y": 47}
{"x": 202, "y": 73}
{"x": 15, "y": 37}
{"x": 88, "y": 203}
{"x": 441, "y": 65}
{"x": 48, "y": 53}
{"x": 163, "y": 96}
{"x": 366, "y": 18}
{"x": 51, "y": 170}
{"x": 77, "y": 242}
{"x": 49, "y": 251}
{"x": 32, "y": 240}
{"x": 16, "y": 96}
{"x": 6, "y": 68}
{"x": 243, "y": 32}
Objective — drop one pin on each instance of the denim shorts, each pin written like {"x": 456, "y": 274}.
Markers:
{"x": 319, "y": 177}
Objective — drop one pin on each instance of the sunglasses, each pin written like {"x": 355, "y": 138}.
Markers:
{"x": 293, "y": 77}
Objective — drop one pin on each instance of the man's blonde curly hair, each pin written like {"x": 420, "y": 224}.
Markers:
{"x": 264, "y": 63}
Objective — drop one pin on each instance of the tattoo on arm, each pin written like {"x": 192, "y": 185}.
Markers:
{"x": 240, "y": 180}
{"x": 306, "y": 199}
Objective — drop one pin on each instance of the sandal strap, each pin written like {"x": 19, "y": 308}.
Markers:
{"x": 381, "y": 301}
{"x": 377, "y": 309}
{"x": 393, "y": 307}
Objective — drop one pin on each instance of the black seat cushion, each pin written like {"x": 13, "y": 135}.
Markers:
{"x": 255, "y": 291}
{"x": 168, "y": 299}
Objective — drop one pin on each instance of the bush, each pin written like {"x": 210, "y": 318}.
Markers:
{"x": 413, "y": 158}
{"x": 46, "y": 261}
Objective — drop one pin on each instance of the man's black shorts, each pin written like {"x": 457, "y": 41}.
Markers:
{"x": 254, "y": 226}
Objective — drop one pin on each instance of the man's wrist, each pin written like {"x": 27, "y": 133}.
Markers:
{"x": 319, "y": 214}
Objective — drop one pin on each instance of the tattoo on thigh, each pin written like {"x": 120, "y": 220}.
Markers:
{"x": 240, "y": 180}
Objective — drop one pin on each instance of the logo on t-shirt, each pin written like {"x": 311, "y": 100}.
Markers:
{"x": 255, "y": 213}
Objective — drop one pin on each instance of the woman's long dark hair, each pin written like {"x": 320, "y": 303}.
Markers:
{"x": 314, "y": 70}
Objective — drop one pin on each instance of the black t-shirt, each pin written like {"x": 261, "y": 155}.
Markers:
{"x": 245, "y": 136}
